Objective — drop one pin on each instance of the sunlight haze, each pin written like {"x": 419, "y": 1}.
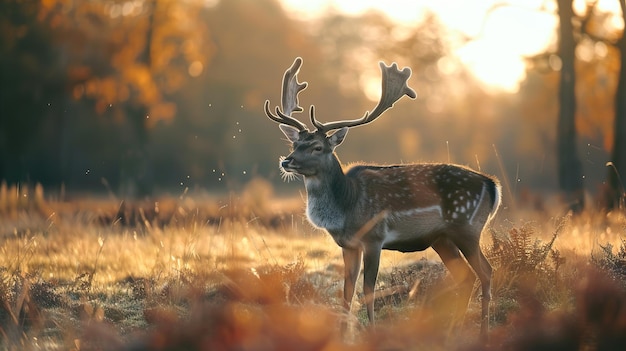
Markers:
{"x": 479, "y": 30}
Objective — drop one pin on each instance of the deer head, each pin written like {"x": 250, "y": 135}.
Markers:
{"x": 312, "y": 151}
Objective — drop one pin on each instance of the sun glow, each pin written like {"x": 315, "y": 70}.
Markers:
{"x": 496, "y": 55}
{"x": 400, "y": 10}
{"x": 497, "y": 37}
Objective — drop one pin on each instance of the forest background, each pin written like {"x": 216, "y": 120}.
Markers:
{"x": 149, "y": 97}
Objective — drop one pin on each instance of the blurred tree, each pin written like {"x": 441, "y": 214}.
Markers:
{"x": 155, "y": 46}
{"x": 220, "y": 125}
{"x": 617, "y": 171}
{"x": 124, "y": 59}
{"x": 599, "y": 72}
{"x": 569, "y": 165}
{"x": 30, "y": 86}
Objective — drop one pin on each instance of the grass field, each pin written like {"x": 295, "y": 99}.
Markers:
{"x": 247, "y": 272}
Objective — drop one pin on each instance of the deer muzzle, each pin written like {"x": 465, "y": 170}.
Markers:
{"x": 286, "y": 163}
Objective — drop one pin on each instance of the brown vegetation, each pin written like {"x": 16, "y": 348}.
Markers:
{"x": 193, "y": 276}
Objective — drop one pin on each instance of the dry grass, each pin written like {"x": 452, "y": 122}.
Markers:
{"x": 247, "y": 272}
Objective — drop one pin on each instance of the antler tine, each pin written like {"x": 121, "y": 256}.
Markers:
{"x": 291, "y": 88}
{"x": 394, "y": 86}
{"x": 289, "y": 98}
{"x": 317, "y": 124}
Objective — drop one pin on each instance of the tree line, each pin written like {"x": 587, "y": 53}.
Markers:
{"x": 138, "y": 97}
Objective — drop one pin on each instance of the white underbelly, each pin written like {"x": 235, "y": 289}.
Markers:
{"x": 413, "y": 228}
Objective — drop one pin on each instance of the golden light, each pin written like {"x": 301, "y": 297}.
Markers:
{"x": 500, "y": 70}
{"x": 496, "y": 56}
{"x": 400, "y": 10}
{"x": 500, "y": 36}
{"x": 195, "y": 68}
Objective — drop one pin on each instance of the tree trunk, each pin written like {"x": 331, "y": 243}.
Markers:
{"x": 617, "y": 170}
{"x": 135, "y": 170}
{"x": 569, "y": 165}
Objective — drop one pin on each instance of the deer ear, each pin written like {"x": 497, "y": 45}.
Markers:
{"x": 293, "y": 134}
{"x": 337, "y": 137}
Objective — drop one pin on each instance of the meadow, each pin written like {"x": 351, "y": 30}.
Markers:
{"x": 245, "y": 271}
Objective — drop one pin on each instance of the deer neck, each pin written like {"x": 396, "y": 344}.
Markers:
{"x": 329, "y": 195}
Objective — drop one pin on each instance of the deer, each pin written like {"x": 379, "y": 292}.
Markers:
{"x": 402, "y": 207}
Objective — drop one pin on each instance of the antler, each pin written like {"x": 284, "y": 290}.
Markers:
{"x": 394, "y": 86}
{"x": 289, "y": 98}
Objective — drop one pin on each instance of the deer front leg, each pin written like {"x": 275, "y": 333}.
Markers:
{"x": 371, "y": 261}
{"x": 352, "y": 267}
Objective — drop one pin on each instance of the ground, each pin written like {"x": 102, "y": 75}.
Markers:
{"x": 248, "y": 272}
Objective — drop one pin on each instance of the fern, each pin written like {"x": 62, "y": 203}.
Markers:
{"x": 613, "y": 263}
{"x": 521, "y": 251}
{"x": 522, "y": 261}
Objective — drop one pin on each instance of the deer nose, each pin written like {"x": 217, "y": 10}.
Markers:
{"x": 285, "y": 163}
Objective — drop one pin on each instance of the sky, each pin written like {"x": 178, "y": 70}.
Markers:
{"x": 503, "y": 32}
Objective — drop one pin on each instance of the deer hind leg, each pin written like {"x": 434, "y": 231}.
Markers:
{"x": 477, "y": 260}
{"x": 462, "y": 274}
{"x": 371, "y": 262}
{"x": 485, "y": 281}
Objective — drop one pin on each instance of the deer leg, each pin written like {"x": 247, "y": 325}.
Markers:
{"x": 371, "y": 261}
{"x": 352, "y": 267}
{"x": 485, "y": 281}
{"x": 477, "y": 260}
{"x": 461, "y": 272}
